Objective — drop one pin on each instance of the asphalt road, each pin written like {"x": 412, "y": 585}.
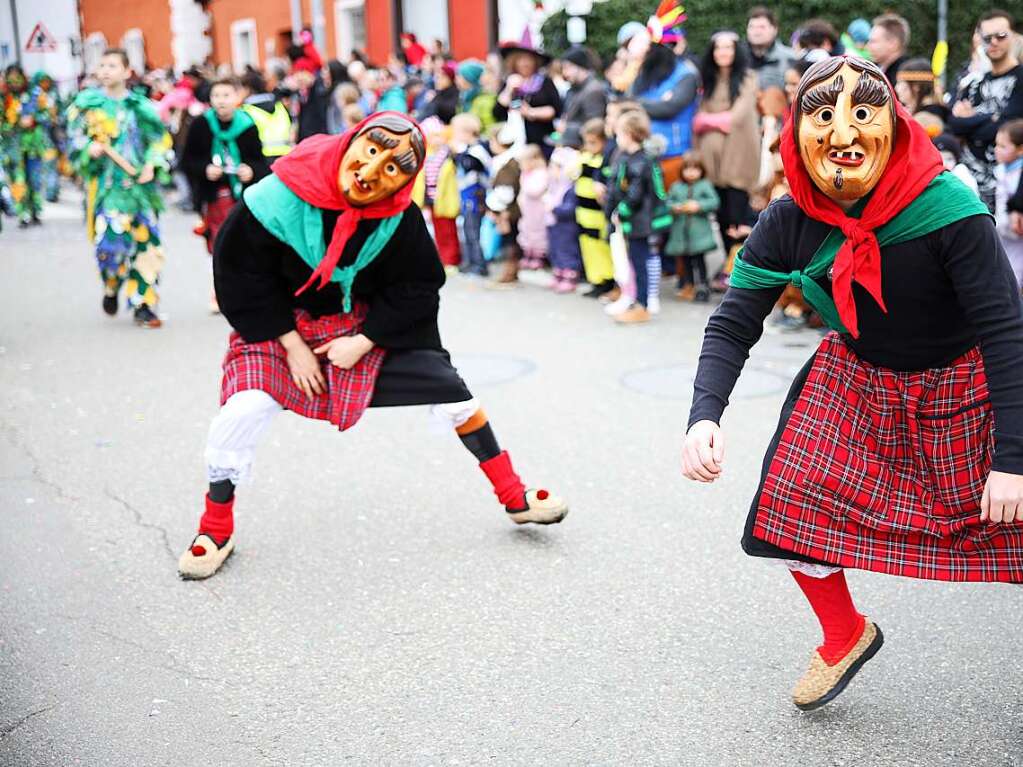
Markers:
{"x": 379, "y": 609}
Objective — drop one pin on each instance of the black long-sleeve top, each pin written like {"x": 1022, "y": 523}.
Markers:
{"x": 945, "y": 292}
{"x": 256, "y": 276}
{"x": 546, "y": 96}
{"x": 198, "y": 153}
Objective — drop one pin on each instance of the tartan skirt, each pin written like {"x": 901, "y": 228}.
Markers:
{"x": 264, "y": 366}
{"x": 883, "y": 470}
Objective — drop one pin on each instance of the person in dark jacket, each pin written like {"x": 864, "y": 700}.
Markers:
{"x": 222, "y": 156}
{"x": 530, "y": 93}
{"x": 444, "y": 104}
{"x": 587, "y": 96}
{"x": 328, "y": 275}
{"x": 630, "y": 206}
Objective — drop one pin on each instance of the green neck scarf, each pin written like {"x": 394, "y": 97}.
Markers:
{"x": 225, "y": 146}
{"x": 298, "y": 224}
{"x": 944, "y": 201}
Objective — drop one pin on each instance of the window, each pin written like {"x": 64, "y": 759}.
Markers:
{"x": 95, "y": 44}
{"x": 349, "y": 27}
{"x": 428, "y": 21}
{"x": 244, "y": 44}
{"x": 134, "y": 45}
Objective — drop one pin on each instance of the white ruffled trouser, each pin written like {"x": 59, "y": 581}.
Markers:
{"x": 237, "y": 428}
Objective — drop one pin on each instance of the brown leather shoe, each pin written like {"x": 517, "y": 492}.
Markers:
{"x": 635, "y": 314}
{"x": 686, "y": 293}
{"x": 822, "y": 683}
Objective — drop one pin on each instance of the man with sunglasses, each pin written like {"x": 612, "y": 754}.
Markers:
{"x": 984, "y": 104}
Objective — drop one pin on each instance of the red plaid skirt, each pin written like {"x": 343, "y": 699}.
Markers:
{"x": 214, "y": 215}
{"x": 264, "y": 366}
{"x": 884, "y": 471}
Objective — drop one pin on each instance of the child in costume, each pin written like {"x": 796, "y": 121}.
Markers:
{"x": 692, "y": 200}
{"x": 23, "y": 146}
{"x": 222, "y": 156}
{"x": 472, "y": 167}
{"x": 1009, "y": 154}
{"x": 886, "y": 457}
{"x": 118, "y": 143}
{"x": 630, "y": 206}
{"x": 560, "y": 204}
{"x": 532, "y": 235}
{"x": 589, "y": 189}
{"x": 328, "y": 275}
{"x": 435, "y": 191}
{"x": 502, "y": 202}
{"x": 49, "y": 116}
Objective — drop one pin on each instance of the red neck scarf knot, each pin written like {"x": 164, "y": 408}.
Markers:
{"x": 914, "y": 162}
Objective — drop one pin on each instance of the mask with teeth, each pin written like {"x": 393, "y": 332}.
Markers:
{"x": 382, "y": 158}
{"x": 845, "y": 126}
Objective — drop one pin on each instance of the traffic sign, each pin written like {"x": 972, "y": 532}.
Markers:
{"x": 41, "y": 41}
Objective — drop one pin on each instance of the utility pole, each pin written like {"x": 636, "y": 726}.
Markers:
{"x": 319, "y": 27}
{"x": 17, "y": 37}
{"x": 296, "y": 20}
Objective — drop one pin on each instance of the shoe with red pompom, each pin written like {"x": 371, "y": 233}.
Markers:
{"x": 542, "y": 508}
{"x": 203, "y": 558}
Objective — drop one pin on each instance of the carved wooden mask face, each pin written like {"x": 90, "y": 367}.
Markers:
{"x": 845, "y": 128}
{"x": 376, "y": 165}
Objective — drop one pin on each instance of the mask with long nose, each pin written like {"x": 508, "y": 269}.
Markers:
{"x": 845, "y": 126}
{"x": 377, "y": 164}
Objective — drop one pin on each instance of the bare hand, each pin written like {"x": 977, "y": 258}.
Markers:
{"x": 963, "y": 108}
{"x": 1003, "y": 498}
{"x": 514, "y": 81}
{"x": 703, "y": 452}
{"x": 1016, "y": 222}
{"x": 345, "y": 351}
{"x": 214, "y": 172}
{"x": 600, "y": 190}
{"x": 691, "y": 206}
{"x": 245, "y": 173}
{"x": 303, "y": 364}
{"x": 146, "y": 175}
{"x": 97, "y": 150}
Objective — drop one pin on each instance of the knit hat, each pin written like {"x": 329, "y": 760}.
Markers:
{"x": 471, "y": 70}
{"x": 946, "y": 142}
{"x": 629, "y": 30}
{"x": 579, "y": 56}
{"x": 859, "y": 31}
{"x": 449, "y": 68}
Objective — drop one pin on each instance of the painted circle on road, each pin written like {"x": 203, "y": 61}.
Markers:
{"x": 491, "y": 369}
{"x": 676, "y": 382}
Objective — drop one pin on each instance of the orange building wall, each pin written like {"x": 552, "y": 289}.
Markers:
{"x": 379, "y": 36}
{"x": 115, "y": 17}
{"x": 468, "y": 28}
{"x": 271, "y": 19}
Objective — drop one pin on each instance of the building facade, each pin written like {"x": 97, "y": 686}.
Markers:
{"x": 42, "y": 35}
{"x": 179, "y": 33}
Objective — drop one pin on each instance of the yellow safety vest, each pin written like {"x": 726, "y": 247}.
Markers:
{"x": 274, "y": 128}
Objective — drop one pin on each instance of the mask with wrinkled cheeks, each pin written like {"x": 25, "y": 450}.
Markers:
{"x": 845, "y": 127}
{"x": 376, "y": 165}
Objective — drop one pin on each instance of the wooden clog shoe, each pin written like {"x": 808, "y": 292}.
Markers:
{"x": 542, "y": 509}
{"x": 203, "y": 558}
{"x": 822, "y": 683}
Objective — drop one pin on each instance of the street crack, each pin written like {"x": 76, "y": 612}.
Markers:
{"x": 141, "y": 521}
{"x": 8, "y": 729}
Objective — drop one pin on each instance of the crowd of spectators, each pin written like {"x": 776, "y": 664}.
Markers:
{"x": 615, "y": 174}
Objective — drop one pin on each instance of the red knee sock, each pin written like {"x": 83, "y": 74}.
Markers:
{"x": 507, "y": 486}
{"x": 218, "y": 520}
{"x": 841, "y": 623}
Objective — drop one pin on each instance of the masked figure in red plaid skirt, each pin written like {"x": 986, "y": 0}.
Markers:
{"x": 330, "y": 279}
{"x": 900, "y": 446}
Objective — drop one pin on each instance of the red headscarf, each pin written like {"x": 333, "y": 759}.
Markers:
{"x": 310, "y": 170}
{"x": 913, "y": 165}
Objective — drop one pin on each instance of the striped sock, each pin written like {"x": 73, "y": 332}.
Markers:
{"x": 653, "y": 272}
